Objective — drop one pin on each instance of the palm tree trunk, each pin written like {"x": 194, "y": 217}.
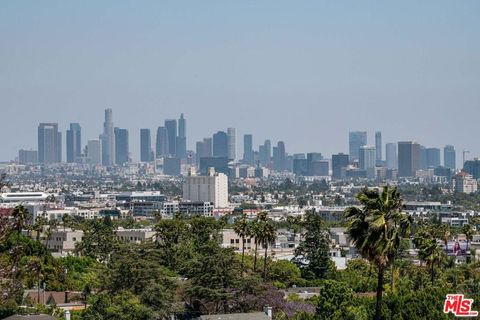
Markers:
{"x": 243, "y": 254}
{"x": 378, "y": 307}
{"x": 255, "y": 258}
{"x": 265, "y": 262}
{"x": 432, "y": 273}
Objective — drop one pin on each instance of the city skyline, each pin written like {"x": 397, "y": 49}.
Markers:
{"x": 407, "y": 73}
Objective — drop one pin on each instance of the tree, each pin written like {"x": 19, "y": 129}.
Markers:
{"x": 242, "y": 229}
{"x": 432, "y": 254}
{"x": 313, "y": 254}
{"x": 467, "y": 230}
{"x": 266, "y": 234}
{"x": 333, "y": 296}
{"x": 376, "y": 230}
{"x": 21, "y": 216}
{"x": 36, "y": 268}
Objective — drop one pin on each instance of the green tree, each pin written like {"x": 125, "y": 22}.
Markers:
{"x": 432, "y": 254}
{"x": 376, "y": 230}
{"x": 333, "y": 296}
{"x": 242, "y": 229}
{"x": 266, "y": 234}
{"x": 313, "y": 254}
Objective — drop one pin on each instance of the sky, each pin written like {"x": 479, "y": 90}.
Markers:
{"x": 304, "y": 72}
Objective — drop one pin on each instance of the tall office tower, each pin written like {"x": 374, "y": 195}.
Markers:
{"x": 248, "y": 149}
{"x": 449, "y": 157}
{"x": 433, "y": 157}
{"x": 49, "y": 143}
{"x": 171, "y": 126}
{"x": 27, "y": 156}
{"x": 408, "y": 158}
{"x": 423, "y": 158}
{"x": 356, "y": 140}
{"x": 121, "y": 146}
{"x": 181, "y": 148}
{"x": 472, "y": 167}
{"x": 74, "y": 142}
{"x": 203, "y": 149}
{"x": 108, "y": 140}
{"x": 94, "y": 152}
{"x": 378, "y": 147}
{"x": 146, "y": 153}
{"x": 232, "y": 144}
{"x": 279, "y": 157}
{"x": 392, "y": 159}
{"x": 208, "y": 147}
{"x": 220, "y": 144}
{"x": 367, "y": 160}
{"x": 339, "y": 161}
{"x": 161, "y": 144}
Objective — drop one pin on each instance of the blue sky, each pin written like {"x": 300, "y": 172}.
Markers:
{"x": 305, "y": 72}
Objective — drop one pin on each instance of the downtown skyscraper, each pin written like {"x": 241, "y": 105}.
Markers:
{"x": 181, "y": 139}
{"x": 74, "y": 142}
{"x": 121, "y": 146}
{"x": 146, "y": 152}
{"x": 108, "y": 140}
{"x": 171, "y": 126}
{"x": 449, "y": 157}
{"x": 220, "y": 144}
{"x": 391, "y": 155}
{"x": 161, "y": 144}
{"x": 49, "y": 143}
{"x": 408, "y": 158}
{"x": 248, "y": 149}
{"x": 378, "y": 147}
{"x": 356, "y": 140}
{"x": 232, "y": 144}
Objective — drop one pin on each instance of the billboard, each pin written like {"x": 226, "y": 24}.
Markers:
{"x": 457, "y": 248}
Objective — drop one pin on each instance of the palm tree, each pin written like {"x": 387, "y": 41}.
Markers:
{"x": 468, "y": 231}
{"x": 21, "y": 215}
{"x": 35, "y": 265}
{"x": 242, "y": 229}
{"x": 432, "y": 254}
{"x": 266, "y": 233}
{"x": 376, "y": 230}
{"x": 443, "y": 232}
{"x": 255, "y": 232}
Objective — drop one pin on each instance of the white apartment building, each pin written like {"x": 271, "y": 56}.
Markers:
{"x": 464, "y": 183}
{"x": 210, "y": 188}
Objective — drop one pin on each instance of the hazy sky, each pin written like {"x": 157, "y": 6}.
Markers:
{"x": 305, "y": 72}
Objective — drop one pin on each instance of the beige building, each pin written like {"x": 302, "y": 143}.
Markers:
{"x": 210, "y": 188}
{"x": 464, "y": 183}
{"x": 63, "y": 241}
{"x": 135, "y": 235}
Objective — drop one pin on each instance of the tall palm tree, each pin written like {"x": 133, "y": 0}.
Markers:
{"x": 242, "y": 229}
{"x": 376, "y": 230}
{"x": 266, "y": 234}
{"x": 468, "y": 231}
{"x": 255, "y": 233}
{"x": 432, "y": 254}
{"x": 443, "y": 232}
{"x": 21, "y": 216}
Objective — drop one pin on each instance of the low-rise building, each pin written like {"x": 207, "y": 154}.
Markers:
{"x": 63, "y": 240}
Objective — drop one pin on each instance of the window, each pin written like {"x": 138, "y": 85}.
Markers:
{"x": 237, "y": 240}
{"x": 232, "y": 241}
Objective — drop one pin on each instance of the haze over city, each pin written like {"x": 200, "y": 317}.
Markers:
{"x": 305, "y": 74}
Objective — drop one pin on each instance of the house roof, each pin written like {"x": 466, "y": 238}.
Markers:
{"x": 236, "y": 316}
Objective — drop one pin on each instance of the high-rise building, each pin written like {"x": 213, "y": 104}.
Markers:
{"x": 181, "y": 148}
{"x": 357, "y": 139}
{"x": 220, "y": 144}
{"x": 339, "y": 162}
{"x": 265, "y": 153}
{"x": 220, "y": 164}
{"x": 433, "y": 157}
{"x": 423, "y": 158}
{"x": 378, "y": 147}
{"x": 210, "y": 188}
{"x": 279, "y": 157}
{"x": 171, "y": 126}
{"x": 367, "y": 160}
{"x": 232, "y": 144}
{"x": 472, "y": 167}
{"x": 94, "y": 152}
{"x": 248, "y": 149}
{"x": 121, "y": 146}
{"x": 74, "y": 142}
{"x": 391, "y": 155}
{"x": 108, "y": 140}
{"x": 49, "y": 143}
{"x": 449, "y": 157}
{"x": 27, "y": 156}
{"x": 161, "y": 145}
{"x": 146, "y": 153}
{"x": 171, "y": 166}
{"x": 408, "y": 158}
